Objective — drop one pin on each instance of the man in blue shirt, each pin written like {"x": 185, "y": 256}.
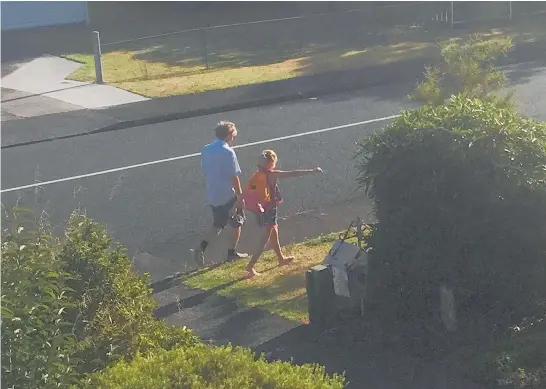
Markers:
{"x": 223, "y": 188}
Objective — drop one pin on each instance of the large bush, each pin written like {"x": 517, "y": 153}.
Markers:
{"x": 37, "y": 339}
{"x": 113, "y": 317}
{"x": 460, "y": 196}
{"x": 209, "y": 367}
{"x": 72, "y": 306}
{"x": 517, "y": 361}
{"x": 469, "y": 69}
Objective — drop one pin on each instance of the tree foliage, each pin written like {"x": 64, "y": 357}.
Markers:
{"x": 469, "y": 69}
{"x": 460, "y": 196}
{"x": 37, "y": 338}
{"x": 114, "y": 313}
{"x": 72, "y": 307}
{"x": 209, "y": 367}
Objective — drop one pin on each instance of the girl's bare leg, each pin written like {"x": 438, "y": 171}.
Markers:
{"x": 274, "y": 241}
{"x": 256, "y": 256}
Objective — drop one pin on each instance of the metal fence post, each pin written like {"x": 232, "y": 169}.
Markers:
{"x": 452, "y": 16}
{"x": 98, "y": 58}
{"x": 206, "y": 47}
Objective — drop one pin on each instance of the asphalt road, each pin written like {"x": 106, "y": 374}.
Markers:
{"x": 153, "y": 207}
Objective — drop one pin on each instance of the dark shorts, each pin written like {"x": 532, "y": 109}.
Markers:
{"x": 268, "y": 217}
{"x": 220, "y": 213}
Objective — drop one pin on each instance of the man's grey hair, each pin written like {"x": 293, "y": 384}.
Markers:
{"x": 223, "y": 129}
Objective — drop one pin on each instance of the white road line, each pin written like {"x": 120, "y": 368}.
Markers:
{"x": 180, "y": 157}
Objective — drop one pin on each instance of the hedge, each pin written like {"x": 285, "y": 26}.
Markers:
{"x": 72, "y": 306}
{"x": 210, "y": 367}
{"x": 37, "y": 340}
{"x": 114, "y": 314}
{"x": 460, "y": 197}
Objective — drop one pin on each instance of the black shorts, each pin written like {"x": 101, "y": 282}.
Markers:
{"x": 220, "y": 213}
{"x": 268, "y": 218}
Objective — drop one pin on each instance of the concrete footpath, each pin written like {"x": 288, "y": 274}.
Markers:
{"x": 363, "y": 352}
{"x": 42, "y": 88}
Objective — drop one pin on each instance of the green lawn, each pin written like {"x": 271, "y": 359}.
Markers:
{"x": 160, "y": 72}
{"x": 279, "y": 290}
{"x": 160, "y": 79}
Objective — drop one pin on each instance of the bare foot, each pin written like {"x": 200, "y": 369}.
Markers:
{"x": 285, "y": 260}
{"x": 252, "y": 273}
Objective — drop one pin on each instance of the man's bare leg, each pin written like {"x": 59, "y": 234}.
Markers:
{"x": 235, "y": 236}
{"x": 199, "y": 252}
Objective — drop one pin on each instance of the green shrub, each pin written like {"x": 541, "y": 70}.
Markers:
{"x": 460, "y": 197}
{"x": 468, "y": 69}
{"x": 209, "y": 367}
{"x": 517, "y": 362}
{"x": 114, "y": 310}
{"x": 37, "y": 340}
{"x": 72, "y": 306}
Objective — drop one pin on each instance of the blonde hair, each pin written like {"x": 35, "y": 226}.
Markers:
{"x": 223, "y": 129}
{"x": 268, "y": 159}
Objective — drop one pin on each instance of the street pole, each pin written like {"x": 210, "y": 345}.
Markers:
{"x": 510, "y": 10}
{"x": 452, "y": 18}
{"x": 205, "y": 44}
{"x": 98, "y": 58}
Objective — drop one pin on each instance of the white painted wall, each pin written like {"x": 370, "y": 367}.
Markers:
{"x": 30, "y": 14}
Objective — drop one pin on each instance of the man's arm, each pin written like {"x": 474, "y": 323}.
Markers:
{"x": 237, "y": 186}
{"x": 236, "y": 182}
{"x": 294, "y": 173}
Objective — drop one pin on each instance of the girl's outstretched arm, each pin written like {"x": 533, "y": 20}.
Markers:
{"x": 294, "y": 173}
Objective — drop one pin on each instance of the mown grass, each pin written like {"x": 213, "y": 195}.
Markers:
{"x": 149, "y": 78}
{"x": 161, "y": 72}
{"x": 157, "y": 79}
{"x": 279, "y": 290}
{"x": 154, "y": 72}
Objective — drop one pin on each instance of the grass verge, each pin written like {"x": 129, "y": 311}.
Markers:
{"x": 161, "y": 70}
{"x": 279, "y": 290}
{"x": 149, "y": 78}
{"x": 157, "y": 79}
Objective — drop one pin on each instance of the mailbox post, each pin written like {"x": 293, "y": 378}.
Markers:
{"x": 349, "y": 264}
{"x": 320, "y": 295}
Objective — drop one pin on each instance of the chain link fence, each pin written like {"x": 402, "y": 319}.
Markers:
{"x": 471, "y": 12}
{"x": 273, "y": 41}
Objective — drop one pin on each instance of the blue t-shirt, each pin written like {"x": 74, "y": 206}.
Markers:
{"x": 220, "y": 165}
